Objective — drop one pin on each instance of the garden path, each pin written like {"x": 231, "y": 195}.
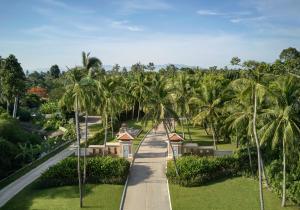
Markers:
{"x": 147, "y": 184}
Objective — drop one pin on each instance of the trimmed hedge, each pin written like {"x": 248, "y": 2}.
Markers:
{"x": 196, "y": 171}
{"x": 108, "y": 170}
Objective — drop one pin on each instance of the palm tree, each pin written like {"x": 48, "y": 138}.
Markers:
{"x": 253, "y": 85}
{"x": 208, "y": 100}
{"x": 139, "y": 90}
{"x": 183, "y": 91}
{"x": 282, "y": 126}
{"x": 71, "y": 99}
{"x": 158, "y": 108}
{"x": 109, "y": 93}
{"x": 241, "y": 114}
{"x": 88, "y": 96}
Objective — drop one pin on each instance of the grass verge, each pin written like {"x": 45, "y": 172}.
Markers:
{"x": 230, "y": 194}
{"x": 101, "y": 196}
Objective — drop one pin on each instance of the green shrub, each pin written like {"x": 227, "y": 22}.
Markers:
{"x": 49, "y": 107}
{"x": 99, "y": 170}
{"x": 24, "y": 114}
{"x": 7, "y": 157}
{"x": 195, "y": 170}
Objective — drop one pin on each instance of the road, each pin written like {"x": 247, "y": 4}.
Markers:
{"x": 147, "y": 184}
{"x": 13, "y": 188}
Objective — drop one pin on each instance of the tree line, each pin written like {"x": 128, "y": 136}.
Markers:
{"x": 254, "y": 104}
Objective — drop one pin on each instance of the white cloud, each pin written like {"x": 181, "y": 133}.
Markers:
{"x": 124, "y": 24}
{"x": 208, "y": 12}
{"x": 248, "y": 19}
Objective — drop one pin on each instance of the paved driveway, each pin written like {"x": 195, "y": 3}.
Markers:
{"x": 147, "y": 184}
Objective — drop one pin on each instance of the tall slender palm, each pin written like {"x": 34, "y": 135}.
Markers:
{"x": 72, "y": 99}
{"x": 183, "y": 92}
{"x": 282, "y": 126}
{"x": 88, "y": 96}
{"x": 158, "y": 108}
{"x": 253, "y": 85}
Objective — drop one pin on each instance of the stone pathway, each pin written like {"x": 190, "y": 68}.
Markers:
{"x": 147, "y": 185}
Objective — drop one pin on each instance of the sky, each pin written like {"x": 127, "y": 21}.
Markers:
{"x": 202, "y": 33}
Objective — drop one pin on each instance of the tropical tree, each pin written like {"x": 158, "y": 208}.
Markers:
{"x": 139, "y": 89}
{"x": 282, "y": 120}
{"x": 12, "y": 80}
{"x": 71, "y": 99}
{"x": 88, "y": 98}
{"x": 183, "y": 91}
{"x": 208, "y": 101}
{"x": 158, "y": 107}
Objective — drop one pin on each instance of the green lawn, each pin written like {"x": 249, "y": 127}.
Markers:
{"x": 199, "y": 136}
{"x": 232, "y": 194}
{"x": 102, "y": 196}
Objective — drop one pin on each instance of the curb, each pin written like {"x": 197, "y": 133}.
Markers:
{"x": 131, "y": 164}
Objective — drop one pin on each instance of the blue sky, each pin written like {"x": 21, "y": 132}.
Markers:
{"x": 192, "y": 32}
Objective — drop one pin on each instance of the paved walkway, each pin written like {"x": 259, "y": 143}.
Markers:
{"x": 147, "y": 184}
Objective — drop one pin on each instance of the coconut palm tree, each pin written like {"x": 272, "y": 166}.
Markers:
{"x": 282, "y": 120}
{"x": 253, "y": 84}
{"x": 208, "y": 101}
{"x": 183, "y": 91}
{"x": 110, "y": 92}
{"x": 71, "y": 99}
{"x": 158, "y": 107}
{"x": 88, "y": 97}
{"x": 139, "y": 89}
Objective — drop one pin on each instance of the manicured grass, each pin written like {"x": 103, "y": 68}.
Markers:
{"x": 102, "y": 196}
{"x": 200, "y": 137}
{"x": 230, "y": 194}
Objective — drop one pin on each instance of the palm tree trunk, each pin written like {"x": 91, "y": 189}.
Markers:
{"x": 174, "y": 158}
{"x": 250, "y": 159}
{"x": 85, "y": 146}
{"x": 237, "y": 140}
{"x": 261, "y": 196}
{"x": 78, "y": 150}
{"x": 188, "y": 128}
{"x": 112, "y": 126}
{"x": 15, "y": 107}
{"x": 214, "y": 136}
{"x": 182, "y": 128}
{"x": 7, "y": 106}
{"x": 105, "y": 136}
{"x": 138, "y": 115}
{"x": 264, "y": 172}
{"x": 205, "y": 128}
{"x": 133, "y": 110}
{"x": 284, "y": 175}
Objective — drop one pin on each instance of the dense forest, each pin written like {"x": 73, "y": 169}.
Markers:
{"x": 255, "y": 105}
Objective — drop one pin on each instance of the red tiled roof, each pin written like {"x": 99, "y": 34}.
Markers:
{"x": 175, "y": 137}
{"x": 125, "y": 137}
